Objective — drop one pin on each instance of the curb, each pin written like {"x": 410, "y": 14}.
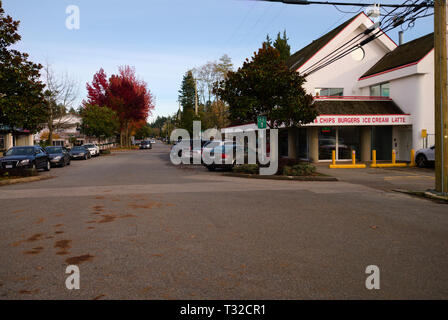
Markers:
{"x": 22, "y": 180}
{"x": 423, "y": 194}
{"x": 283, "y": 178}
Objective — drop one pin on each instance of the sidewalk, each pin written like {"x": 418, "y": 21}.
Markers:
{"x": 387, "y": 179}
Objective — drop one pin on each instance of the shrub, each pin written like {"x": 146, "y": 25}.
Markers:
{"x": 105, "y": 151}
{"x": 302, "y": 169}
{"x": 246, "y": 168}
{"x": 282, "y": 162}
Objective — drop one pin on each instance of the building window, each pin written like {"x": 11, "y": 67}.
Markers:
{"x": 380, "y": 90}
{"x": 329, "y": 92}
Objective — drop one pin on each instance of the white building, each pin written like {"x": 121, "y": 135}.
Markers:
{"x": 380, "y": 97}
{"x": 66, "y": 131}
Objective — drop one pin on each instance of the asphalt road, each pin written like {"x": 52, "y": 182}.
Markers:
{"x": 140, "y": 228}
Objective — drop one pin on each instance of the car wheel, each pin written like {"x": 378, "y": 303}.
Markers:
{"x": 48, "y": 166}
{"x": 211, "y": 168}
{"x": 421, "y": 161}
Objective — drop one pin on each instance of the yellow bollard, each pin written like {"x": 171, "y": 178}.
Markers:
{"x": 345, "y": 166}
{"x": 412, "y": 164}
{"x": 394, "y": 156}
{"x": 373, "y": 158}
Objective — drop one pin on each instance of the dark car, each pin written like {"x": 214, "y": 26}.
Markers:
{"x": 59, "y": 156}
{"x": 26, "y": 157}
{"x": 146, "y": 144}
{"x": 80, "y": 152}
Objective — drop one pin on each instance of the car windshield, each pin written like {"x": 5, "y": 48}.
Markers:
{"x": 20, "y": 151}
{"x": 89, "y": 146}
{"x": 52, "y": 150}
{"x": 145, "y": 142}
{"x": 79, "y": 149}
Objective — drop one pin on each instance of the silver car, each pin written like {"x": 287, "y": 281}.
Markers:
{"x": 424, "y": 157}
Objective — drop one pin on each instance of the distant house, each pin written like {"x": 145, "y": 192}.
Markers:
{"x": 380, "y": 96}
{"x": 66, "y": 131}
{"x": 10, "y": 137}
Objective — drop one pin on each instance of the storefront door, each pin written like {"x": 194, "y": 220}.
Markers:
{"x": 327, "y": 142}
{"x": 343, "y": 140}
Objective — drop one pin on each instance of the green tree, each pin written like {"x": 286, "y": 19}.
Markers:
{"x": 144, "y": 132}
{"x": 266, "y": 86}
{"x": 99, "y": 122}
{"x": 281, "y": 44}
{"x": 187, "y": 101}
{"x": 21, "y": 97}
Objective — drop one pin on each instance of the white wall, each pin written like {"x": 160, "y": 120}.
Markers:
{"x": 345, "y": 72}
{"x": 412, "y": 89}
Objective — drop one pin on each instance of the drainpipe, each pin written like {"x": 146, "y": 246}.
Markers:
{"x": 400, "y": 38}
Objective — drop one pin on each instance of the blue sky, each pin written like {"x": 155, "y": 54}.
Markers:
{"x": 165, "y": 38}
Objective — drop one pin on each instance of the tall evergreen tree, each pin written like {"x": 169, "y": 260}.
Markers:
{"x": 187, "y": 100}
{"x": 281, "y": 44}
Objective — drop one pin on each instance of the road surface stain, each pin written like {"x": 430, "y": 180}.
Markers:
{"x": 39, "y": 221}
{"x": 79, "y": 259}
{"x": 29, "y": 291}
{"x": 99, "y": 297}
{"x": 90, "y": 228}
{"x": 128, "y": 216}
{"x": 58, "y": 232}
{"x": 148, "y": 205}
{"x": 58, "y": 225}
{"x": 63, "y": 246}
{"x": 35, "y": 237}
{"x": 107, "y": 218}
{"x": 35, "y": 250}
{"x": 99, "y": 197}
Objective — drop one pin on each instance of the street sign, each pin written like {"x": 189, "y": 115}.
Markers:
{"x": 261, "y": 120}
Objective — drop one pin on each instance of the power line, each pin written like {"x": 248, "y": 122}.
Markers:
{"x": 302, "y": 2}
{"x": 391, "y": 23}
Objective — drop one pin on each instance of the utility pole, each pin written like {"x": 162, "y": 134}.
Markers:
{"x": 440, "y": 96}
{"x": 195, "y": 96}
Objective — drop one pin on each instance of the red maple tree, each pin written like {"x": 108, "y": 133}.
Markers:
{"x": 124, "y": 93}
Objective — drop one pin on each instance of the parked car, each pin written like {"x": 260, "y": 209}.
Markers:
{"x": 191, "y": 147}
{"x": 80, "y": 152}
{"x": 26, "y": 157}
{"x": 153, "y": 141}
{"x": 145, "y": 144}
{"x": 59, "y": 156}
{"x": 425, "y": 157}
{"x": 93, "y": 149}
{"x": 224, "y": 152}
